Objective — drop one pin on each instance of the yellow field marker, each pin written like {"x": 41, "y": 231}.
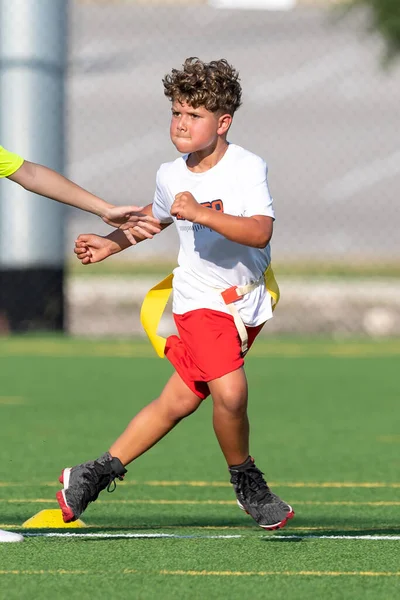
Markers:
{"x": 10, "y": 400}
{"x": 91, "y": 349}
{"x": 389, "y": 439}
{"x": 204, "y": 573}
{"x": 51, "y": 518}
{"x": 285, "y": 573}
{"x": 42, "y": 572}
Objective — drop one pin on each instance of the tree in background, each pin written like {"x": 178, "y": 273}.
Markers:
{"x": 384, "y": 19}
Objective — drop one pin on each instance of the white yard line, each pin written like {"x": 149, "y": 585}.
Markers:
{"x": 128, "y": 535}
{"x": 374, "y": 538}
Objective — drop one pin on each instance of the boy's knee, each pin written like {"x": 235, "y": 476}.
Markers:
{"x": 232, "y": 401}
{"x": 189, "y": 405}
{"x": 182, "y": 406}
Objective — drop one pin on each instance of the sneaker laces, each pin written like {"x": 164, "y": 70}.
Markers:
{"x": 251, "y": 483}
{"x": 98, "y": 480}
{"x": 112, "y": 483}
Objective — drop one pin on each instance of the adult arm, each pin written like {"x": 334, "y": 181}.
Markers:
{"x": 46, "y": 182}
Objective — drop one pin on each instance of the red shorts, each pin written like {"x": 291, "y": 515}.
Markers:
{"x": 207, "y": 348}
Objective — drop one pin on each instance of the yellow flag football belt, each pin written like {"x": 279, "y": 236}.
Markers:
{"x": 156, "y": 300}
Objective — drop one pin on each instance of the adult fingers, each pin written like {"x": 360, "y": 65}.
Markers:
{"x": 130, "y": 236}
{"x": 143, "y": 232}
{"x": 148, "y": 226}
{"x": 146, "y": 218}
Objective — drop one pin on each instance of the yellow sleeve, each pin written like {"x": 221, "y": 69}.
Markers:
{"x": 9, "y": 162}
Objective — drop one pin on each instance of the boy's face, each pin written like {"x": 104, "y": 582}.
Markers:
{"x": 196, "y": 129}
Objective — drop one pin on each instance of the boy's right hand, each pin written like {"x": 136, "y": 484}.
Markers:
{"x": 91, "y": 248}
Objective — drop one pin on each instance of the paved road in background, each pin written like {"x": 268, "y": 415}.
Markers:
{"x": 317, "y": 106}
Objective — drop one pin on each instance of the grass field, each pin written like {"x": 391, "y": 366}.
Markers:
{"x": 325, "y": 430}
{"x": 305, "y": 268}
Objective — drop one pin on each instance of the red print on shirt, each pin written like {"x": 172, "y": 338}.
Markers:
{"x": 214, "y": 204}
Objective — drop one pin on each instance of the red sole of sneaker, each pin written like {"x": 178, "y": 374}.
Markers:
{"x": 67, "y": 513}
{"x": 276, "y": 526}
{"x": 280, "y": 525}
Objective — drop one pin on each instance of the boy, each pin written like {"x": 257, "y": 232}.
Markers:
{"x": 217, "y": 196}
{"x": 46, "y": 182}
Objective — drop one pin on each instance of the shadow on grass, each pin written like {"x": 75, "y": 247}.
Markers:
{"x": 183, "y": 520}
{"x": 213, "y": 524}
{"x": 220, "y": 527}
{"x": 283, "y": 540}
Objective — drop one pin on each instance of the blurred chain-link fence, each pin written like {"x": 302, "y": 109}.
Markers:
{"x": 317, "y": 106}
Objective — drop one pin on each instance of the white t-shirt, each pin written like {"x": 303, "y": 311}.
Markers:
{"x": 207, "y": 261}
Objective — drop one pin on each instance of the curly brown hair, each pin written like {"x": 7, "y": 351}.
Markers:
{"x": 214, "y": 85}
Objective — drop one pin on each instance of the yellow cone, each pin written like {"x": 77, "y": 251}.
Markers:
{"x": 51, "y": 518}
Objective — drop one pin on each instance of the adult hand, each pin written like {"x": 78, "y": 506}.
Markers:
{"x": 132, "y": 219}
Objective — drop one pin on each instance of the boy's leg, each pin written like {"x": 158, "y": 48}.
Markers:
{"x": 230, "y": 420}
{"x": 83, "y": 483}
{"x": 231, "y": 427}
{"x": 155, "y": 420}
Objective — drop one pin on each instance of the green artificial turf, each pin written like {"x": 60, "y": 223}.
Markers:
{"x": 310, "y": 268}
{"x": 324, "y": 429}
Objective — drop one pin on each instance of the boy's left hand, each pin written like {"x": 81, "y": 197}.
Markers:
{"x": 186, "y": 207}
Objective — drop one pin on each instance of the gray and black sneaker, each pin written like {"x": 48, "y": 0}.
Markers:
{"x": 83, "y": 484}
{"x": 254, "y": 496}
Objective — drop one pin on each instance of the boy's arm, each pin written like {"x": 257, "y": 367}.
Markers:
{"x": 255, "y": 231}
{"x": 91, "y": 248}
